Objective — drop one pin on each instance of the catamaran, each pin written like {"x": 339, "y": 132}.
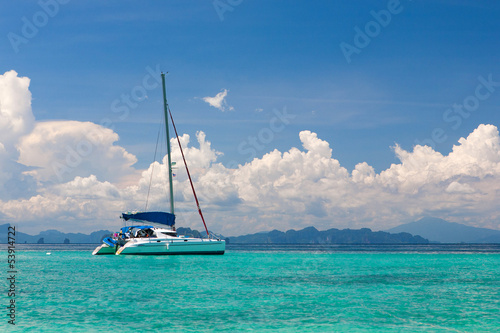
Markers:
{"x": 156, "y": 233}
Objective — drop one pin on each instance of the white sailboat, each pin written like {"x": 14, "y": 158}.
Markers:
{"x": 156, "y": 235}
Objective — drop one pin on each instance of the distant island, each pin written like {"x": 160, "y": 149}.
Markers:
{"x": 311, "y": 235}
{"x": 423, "y": 231}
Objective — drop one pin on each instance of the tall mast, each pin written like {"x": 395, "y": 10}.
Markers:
{"x": 165, "y": 111}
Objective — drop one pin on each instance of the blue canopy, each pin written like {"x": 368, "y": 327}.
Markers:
{"x": 153, "y": 217}
{"x": 109, "y": 241}
{"x": 124, "y": 230}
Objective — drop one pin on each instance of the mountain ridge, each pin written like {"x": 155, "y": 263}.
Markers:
{"x": 442, "y": 231}
{"x": 53, "y": 236}
{"x": 311, "y": 235}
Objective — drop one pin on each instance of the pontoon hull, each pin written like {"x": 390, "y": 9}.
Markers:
{"x": 103, "y": 249}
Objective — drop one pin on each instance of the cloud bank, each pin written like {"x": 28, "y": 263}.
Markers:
{"x": 282, "y": 190}
{"x": 60, "y": 150}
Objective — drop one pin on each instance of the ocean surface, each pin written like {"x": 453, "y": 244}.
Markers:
{"x": 261, "y": 288}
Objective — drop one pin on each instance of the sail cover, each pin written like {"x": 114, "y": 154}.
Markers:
{"x": 152, "y": 217}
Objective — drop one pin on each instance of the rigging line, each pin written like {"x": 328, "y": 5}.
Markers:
{"x": 189, "y": 175}
{"x": 152, "y": 168}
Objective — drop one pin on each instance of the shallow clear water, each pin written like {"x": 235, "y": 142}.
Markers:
{"x": 281, "y": 288}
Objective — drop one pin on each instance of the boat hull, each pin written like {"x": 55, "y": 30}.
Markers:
{"x": 172, "y": 247}
{"x": 103, "y": 249}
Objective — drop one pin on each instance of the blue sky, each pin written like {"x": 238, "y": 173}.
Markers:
{"x": 270, "y": 56}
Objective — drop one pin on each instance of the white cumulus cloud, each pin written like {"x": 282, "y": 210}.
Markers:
{"x": 63, "y": 150}
{"x": 16, "y": 118}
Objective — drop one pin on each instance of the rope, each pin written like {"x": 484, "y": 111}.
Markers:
{"x": 189, "y": 175}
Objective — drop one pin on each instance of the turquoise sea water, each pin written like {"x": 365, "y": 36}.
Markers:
{"x": 276, "y": 288}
